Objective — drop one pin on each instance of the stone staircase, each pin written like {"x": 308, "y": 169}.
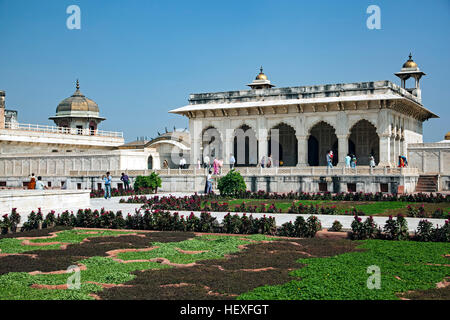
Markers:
{"x": 427, "y": 183}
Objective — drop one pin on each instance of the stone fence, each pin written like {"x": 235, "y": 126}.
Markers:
{"x": 258, "y": 171}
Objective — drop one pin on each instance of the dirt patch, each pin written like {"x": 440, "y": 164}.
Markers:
{"x": 51, "y": 260}
{"x": 227, "y": 278}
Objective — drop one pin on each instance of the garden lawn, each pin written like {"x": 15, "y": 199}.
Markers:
{"x": 404, "y": 266}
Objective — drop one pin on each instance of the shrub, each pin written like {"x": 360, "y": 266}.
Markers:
{"x": 287, "y": 229}
{"x": 442, "y": 233}
{"x": 152, "y": 182}
{"x": 424, "y": 231}
{"x": 396, "y": 229}
{"x": 231, "y": 184}
{"x": 336, "y": 227}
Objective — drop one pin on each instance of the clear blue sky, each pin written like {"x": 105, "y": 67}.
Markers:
{"x": 138, "y": 59}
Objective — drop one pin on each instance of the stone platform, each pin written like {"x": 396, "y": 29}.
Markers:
{"x": 27, "y": 200}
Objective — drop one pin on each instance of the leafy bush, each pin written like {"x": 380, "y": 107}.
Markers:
{"x": 231, "y": 184}
{"x": 364, "y": 230}
{"x": 302, "y": 228}
{"x": 424, "y": 231}
{"x": 442, "y": 234}
{"x": 336, "y": 227}
{"x": 152, "y": 182}
{"x": 396, "y": 229}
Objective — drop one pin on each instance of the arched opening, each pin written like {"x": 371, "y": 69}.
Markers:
{"x": 212, "y": 144}
{"x": 322, "y": 138}
{"x": 283, "y": 145}
{"x": 150, "y": 163}
{"x": 245, "y": 146}
{"x": 363, "y": 142}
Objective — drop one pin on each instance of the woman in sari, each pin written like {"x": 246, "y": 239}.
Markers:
{"x": 216, "y": 166}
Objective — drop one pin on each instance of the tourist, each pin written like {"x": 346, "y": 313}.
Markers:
{"x": 39, "y": 184}
{"x": 206, "y": 162}
{"x": 165, "y": 164}
{"x": 126, "y": 181}
{"x": 208, "y": 188}
{"x": 220, "y": 166}
{"x": 182, "y": 163}
{"x": 348, "y": 159}
{"x": 372, "y": 161}
{"x": 330, "y": 159}
{"x": 216, "y": 166}
{"x": 405, "y": 161}
{"x": 269, "y": 161}
{"x": 199, "y": 163}
{"x": 107, "y": 180}
{"x": 353, "y": 162}
{"x": 263, "y": 161}
{"x": 232, "y": 161}
{"x": 32, "y": 183}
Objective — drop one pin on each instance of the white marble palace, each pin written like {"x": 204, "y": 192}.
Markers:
{"x": 378, "y": 118}
{"x": 366, "y": 118}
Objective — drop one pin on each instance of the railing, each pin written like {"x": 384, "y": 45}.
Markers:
{"x": 61, "y": 130}
{"x": 258, "y": 171}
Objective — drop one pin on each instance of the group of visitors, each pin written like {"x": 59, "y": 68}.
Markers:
{"x": 36, "y": 185}
{"x": 217, "y": 164}
{"x": 266, "y": 162}
{"x": 107, "y": 179}
{"x": 350, "y": 160}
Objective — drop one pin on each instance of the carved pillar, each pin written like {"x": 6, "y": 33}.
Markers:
{"x": 342, "y": 149}
{"x": 302, "y": 156}
{"x": 262, "y": 144}
{"x": 385, "y": 151}
{"x": 228, "y": 145}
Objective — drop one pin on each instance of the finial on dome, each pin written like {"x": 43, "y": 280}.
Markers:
{"x": 410, "y": 56}
{"x": 261, "y": 69}
{"x": 78, "y": 85}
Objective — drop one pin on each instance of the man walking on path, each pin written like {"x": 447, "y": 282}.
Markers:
{"x": 126, "y": 181}
{"x": 330, "y": 159}
{"x": 232, "y": 161}
{"x": 208, "y": 188}
{"x": 107, "y": 179}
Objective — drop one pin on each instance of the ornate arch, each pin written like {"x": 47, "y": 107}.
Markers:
{"x": 353, "y": 123}
{"x": 316, "y": 122}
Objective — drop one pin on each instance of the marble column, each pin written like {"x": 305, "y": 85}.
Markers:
{"x": 385, "y": 151}
{"x": 262, "y": 144}
{"x": 302, "y": 151}
{"x": 342, "y": 149}
{"x": 195, "y": 151}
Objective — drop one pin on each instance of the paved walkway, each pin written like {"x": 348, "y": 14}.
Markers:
{"x": 280, "y": 218}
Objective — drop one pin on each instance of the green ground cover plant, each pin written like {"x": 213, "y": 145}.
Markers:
{"x": 404, "y": 266}
{"x": 14, "y": 245}
{"x": 105, "y": 270}
{"x": 214, "y": 247}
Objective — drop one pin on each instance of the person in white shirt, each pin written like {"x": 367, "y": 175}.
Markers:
{"x": 232, "y": 161}
{"x": 39, "y": 184}
{"x": 206, "y": 162}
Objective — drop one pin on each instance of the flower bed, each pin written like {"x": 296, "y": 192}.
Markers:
{"x": 121, "y": 192}
{"x": 211, "y": 203}
{"x": 166, "y": 221}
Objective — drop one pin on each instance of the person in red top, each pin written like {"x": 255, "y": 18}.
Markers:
{"x": 32, "y": 183}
